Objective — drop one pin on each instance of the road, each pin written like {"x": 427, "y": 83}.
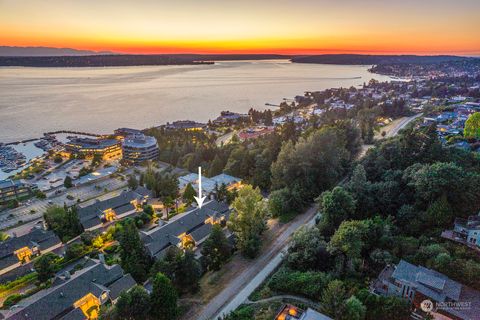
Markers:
{"x": 402, "y": 124}
{"x": 238, "y": 290}
{"x": 225, "y": 138}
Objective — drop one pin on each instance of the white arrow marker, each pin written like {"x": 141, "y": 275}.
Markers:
{"x": 200, "y": 199}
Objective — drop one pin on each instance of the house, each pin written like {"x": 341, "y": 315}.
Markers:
{"x": 290, "y": 312}
{"x": 254, "y": 133}
{"x": 100, "y": 213}
{"x": 185, "y": 230}
{"x": 419, "y": 284}
{"x": 77, "y": 296}
{"x": 209, "y": 184}
{"x": 16, "y": 251}
{"x": 465, "y": 231}
{"x": 230, "y": 181}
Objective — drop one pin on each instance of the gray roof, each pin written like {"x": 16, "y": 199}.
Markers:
{"x": 311, "y": 314}
{"x": 191, "y": 222}
{"x": 57, "y": 302}
{"x": 44, "y": 239}
{"x": 124, "y": 283}
{"x": 90, "y": 215}
{"x": 428, "y": 282}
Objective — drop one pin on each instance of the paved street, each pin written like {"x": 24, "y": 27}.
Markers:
{"x": 240, "y": 288}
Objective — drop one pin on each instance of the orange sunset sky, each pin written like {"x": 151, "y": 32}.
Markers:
{"x": 260, "y": 26}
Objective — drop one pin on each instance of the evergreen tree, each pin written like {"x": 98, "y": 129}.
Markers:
{"x": 333, "y": 299}
{"x": 45, "y": 266}
{"x": 163, "y": 299}
{"x": 216, "y": 167}
{"x": 216, "y": 249}
{"x": 67, "y": 183}
{"x": 133, "y": 304}
{"x": 132, "y": 182}
{"x": 189, "y": 194}
{"x": 134, "y": 258}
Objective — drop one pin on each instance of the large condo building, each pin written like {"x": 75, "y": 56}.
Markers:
{"x": 139, "y": 147}
{"x": 14, "y": 190}
{"x": 108, "y": 149}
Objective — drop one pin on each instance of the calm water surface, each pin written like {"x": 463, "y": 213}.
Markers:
{"x": 37, "y": 100}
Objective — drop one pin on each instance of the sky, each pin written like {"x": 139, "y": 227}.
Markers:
{"x": 245, "y": 26}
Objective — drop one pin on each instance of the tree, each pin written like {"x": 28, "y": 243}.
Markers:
{"x": 188, "y": 272}
{"x": 348, "y": 242}
{"x": 354, "y": 309}
{"x": 163, "y": 299}
{"x": 333, "y": 299}
{"x": 336, "y": 206}
{"x": 134, "y": 258}
{"x": 285, "y": 202}
{"x": 181, "y": 268}
{"x": 308, "y": 250}
{"x": 189, "y": 194}
{"x": 63, "y": 221}
{"x": 216, "y": 167}
{"x": 216, "y": 249}
{"x": 133, "y": 304}
{"x": 314, "y": 164}
{"x": 67, "y": 183}
{"x": 248, "y": 220}
{"x": 132, "y": 182}
{"x": 3, "y": 236}
{"x": 45, "y": 266}
{"x": 472, "y": 127}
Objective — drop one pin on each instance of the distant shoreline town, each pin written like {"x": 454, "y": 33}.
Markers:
{"x": 115, "y": 60}
{"x": 358, "y": 185}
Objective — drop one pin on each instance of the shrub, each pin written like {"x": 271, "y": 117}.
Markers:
{"x": 12, "y": 300}
{"x": 309, "y": 284}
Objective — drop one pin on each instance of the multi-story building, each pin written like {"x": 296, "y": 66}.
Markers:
{"x": 187, "y": 230}
{"x": 16, "y": 251}
{"x": 186, "y": 125}
{"x": 100, "y": 213}
{"x": 14, "y": 190}
{"x": 465, "y": 231}
{"x": 77, "y": 296}
{"x": 107, "y": 149}
{"x": 428, "y": 289}
{"x": 139, "y": 147}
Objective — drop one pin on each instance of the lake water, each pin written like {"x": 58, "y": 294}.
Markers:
{"x": 99, "y": 100}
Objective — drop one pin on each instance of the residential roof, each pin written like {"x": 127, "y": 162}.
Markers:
{"x": 90, "y": 216}
{"x": 208, "y": 184}
{"x": 57, "y": 302}
{"x": 225, "y": 179}
{"x": 191, "y": 222}
{"x": 429, "y": 282}
{"x": 124, "y": 283}
{"x": 43, "y": 239}
{"x": 311, "y": 314}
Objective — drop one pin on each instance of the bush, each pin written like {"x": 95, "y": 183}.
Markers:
{"x": 12, "y": 300}
{"x": 309, "y": 284}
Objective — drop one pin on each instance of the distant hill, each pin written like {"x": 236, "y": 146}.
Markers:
{"x": 6, "y": 51}
{"x": 127, "y": 59}
{"x": 374, "y": 59}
